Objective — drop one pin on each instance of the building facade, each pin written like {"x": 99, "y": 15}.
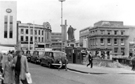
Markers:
{"x": 8, "y": 29}
{"x": 83, "y": 37}
{"x": 110, "y": 39}
{"x": 56, "y": 39}
{"x": 34, "y": 36}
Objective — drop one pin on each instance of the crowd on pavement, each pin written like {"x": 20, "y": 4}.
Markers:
{"x": 13, "y": 68}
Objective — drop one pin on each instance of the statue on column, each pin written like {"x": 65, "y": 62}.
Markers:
{"x": 71, "y": 34}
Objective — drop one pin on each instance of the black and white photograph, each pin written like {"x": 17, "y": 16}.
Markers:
{"x": 67, "y": 42}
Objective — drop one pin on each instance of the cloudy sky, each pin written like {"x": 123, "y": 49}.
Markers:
{"x": 78, "y": 13}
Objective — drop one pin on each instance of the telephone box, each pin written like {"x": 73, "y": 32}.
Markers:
{"x": 74, "y": 55}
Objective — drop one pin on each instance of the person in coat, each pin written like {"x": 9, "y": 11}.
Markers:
{"x": 90, "y": 59}
{"x": 21, "y": 68}
{"x": 8, "y": 70}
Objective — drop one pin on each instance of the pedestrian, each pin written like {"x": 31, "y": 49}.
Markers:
{"x": 60, "y": 62}
{"x": 66, "y": 62}
{"x": 8, "y": 70}
{"x": 90, "y": 59}
{"x": 1, "y": 68}
{"x": 21, "y": 68}
{"x": 133, "y": 64}
{"x": 1, "y": 58}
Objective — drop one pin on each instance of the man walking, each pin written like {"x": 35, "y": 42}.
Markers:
{"x": 21, "y": 68}
{"x": 90, "y": 59}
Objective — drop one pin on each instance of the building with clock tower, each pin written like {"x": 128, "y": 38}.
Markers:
{"x": 8, "y": 29}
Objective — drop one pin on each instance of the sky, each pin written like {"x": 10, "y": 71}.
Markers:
{"x": 78, "y": 13}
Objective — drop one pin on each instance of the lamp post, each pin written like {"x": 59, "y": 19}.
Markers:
{"x": 61, "y": 11}
{"x": 61, "y": 21}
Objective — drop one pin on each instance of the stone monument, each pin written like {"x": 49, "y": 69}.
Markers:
{"x": 70, "y": 32}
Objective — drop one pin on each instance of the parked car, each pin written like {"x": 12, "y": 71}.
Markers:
{"x": 36, "y": 57}
{"x": 53, "y": 58}
{"x": 28, "y": 54}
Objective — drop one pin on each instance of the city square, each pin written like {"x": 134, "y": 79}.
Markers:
{"x": 61, "y": 38}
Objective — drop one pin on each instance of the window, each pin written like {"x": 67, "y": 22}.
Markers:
{"x": 22, "y": 38}
{"x": 5, "y": 26}
{"x": 122, "y": 41}
{"x": 115, "y": 32}
{"x": 122, "y": 32}
{"x": 35, "y": 32}
{"x": 102, "y": 31}
{"x": 11, "y": 27}
{"x": 42, "y": 39}
{"x": 38, "y": 32}
{"x": 115, "y": 41}
{"x": 115, "y": 50}
{"x": 108, "y": 40}
{"x": 109, "y": 32}
{"x": 31, "y": 31}
{"x": 38, "y": 39}
{"x": 47, "y": 35}
{"x": 101, "y": 40}
{"x": 26, "y": 31}
{"x": 42, "y": 32}
{"x": 26, "y": 38}
{"x": 22, "y": 31}
{"x": 123, "y": 51}
{"x": 31, "y": 38}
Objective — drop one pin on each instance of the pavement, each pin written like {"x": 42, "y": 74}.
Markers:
{"x": 98, "y": 70}
{"x": 45, "y": 75}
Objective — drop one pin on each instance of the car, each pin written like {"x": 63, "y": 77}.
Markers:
{"x": 36, "y": 57}
{"x": 53, "y": 58}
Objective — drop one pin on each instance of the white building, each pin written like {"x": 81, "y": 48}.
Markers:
{"x": 8, "y": 16}
{"x": 83, "y": 37}
{"x": 85, "y": 43}
{"x": 34, "y": 36}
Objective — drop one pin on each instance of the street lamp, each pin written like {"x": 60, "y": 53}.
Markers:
{"x": 61, "y": 20}
{"x": 61, "y": 11}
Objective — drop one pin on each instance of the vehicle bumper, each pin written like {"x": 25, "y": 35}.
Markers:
{"x": 54, "y": 64}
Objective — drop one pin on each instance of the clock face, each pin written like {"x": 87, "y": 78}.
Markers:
{"x": 8, "y": 10}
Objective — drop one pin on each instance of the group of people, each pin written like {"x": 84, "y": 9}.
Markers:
{"x": 13, "y": 68}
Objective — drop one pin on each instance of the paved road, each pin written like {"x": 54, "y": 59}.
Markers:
{"x": 44, "y": 75}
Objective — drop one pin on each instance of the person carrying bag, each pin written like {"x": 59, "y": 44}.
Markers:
{"x": 21, "y": 69}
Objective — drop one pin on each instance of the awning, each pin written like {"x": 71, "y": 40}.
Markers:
{"x": 5, "y": 49}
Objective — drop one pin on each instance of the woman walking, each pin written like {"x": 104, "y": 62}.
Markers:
{"x": 8, "y": 70}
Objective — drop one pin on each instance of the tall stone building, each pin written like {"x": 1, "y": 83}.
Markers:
{"x": 34, "y": 36}
{"x": 110, "y": 39}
